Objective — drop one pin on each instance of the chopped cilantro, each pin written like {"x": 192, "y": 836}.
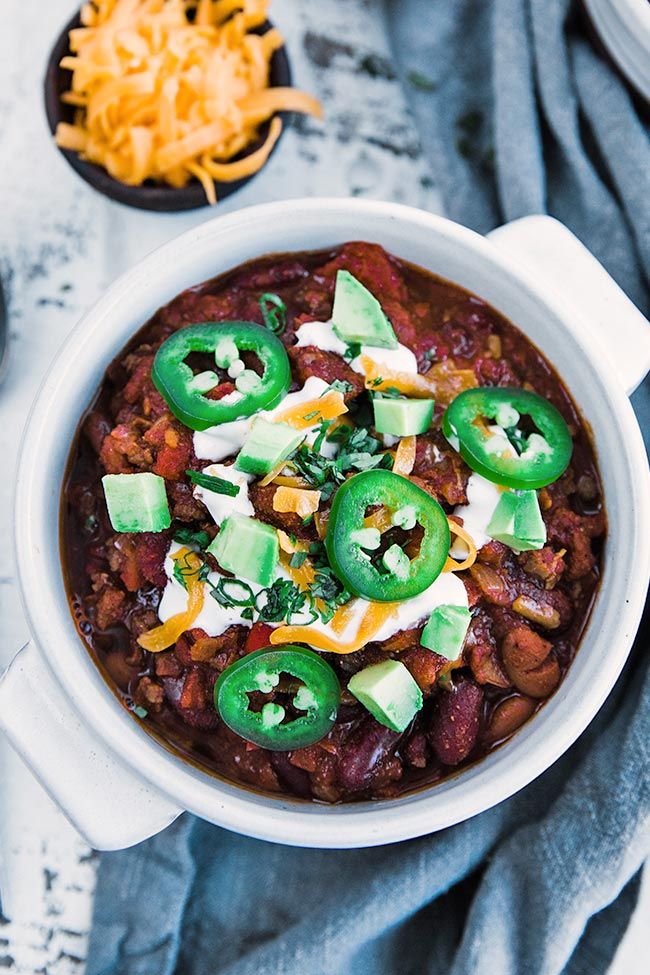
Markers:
{"x": 185, "y": 536}
{"x": 297, "y": 559}
{"x": 352, "y": 351}
{"x": 218, "y": 485}
{"x": 359, "y": 451}
{"x": 339, "y": 386}
{"x": 281, "y": 601}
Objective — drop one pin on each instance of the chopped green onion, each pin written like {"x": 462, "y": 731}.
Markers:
{"x": 274, "y": 312}
{"x": 216, "y": 484}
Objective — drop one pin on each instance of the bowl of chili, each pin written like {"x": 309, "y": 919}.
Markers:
{"x": 125, "y": 783}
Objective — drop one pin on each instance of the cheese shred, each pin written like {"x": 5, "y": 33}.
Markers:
{"x": 174, "y": 90}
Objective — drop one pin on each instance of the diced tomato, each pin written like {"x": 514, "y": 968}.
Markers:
{"x": 259, "y": 636}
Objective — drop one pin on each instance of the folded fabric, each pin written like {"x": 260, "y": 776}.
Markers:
{"x": 517, "y": 115}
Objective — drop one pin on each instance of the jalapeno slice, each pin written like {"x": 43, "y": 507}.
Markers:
{"x": 184, "y": 392}
{"x": 493, "y": 428}
{"x": 318, "y": 696}
{"x": 393, "y": 575}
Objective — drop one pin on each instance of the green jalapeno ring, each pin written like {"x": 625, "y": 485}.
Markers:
{"x": 260, "y": 671}
{"x": 352, "y": 564}
{"x": 173, "y": 378}
{"x": 529, "y": 470}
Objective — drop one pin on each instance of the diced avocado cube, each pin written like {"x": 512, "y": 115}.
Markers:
{"x": 266, "y": 445}
{"x": 446, "y": 630}
{"x": 389, "y": 692}
{"x": 247, "y": 548}
{"x": 517, "y": 521}
{"x": 402, "y": 417}
{"x": 357, "y": 316}
{"x": 136, "y": 502}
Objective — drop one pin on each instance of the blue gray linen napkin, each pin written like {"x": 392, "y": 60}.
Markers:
{"x": 517, "y": 115}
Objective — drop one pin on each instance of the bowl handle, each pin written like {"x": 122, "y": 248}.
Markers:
{"x": 102, "y": 798}
{"x": 599, "y": 307}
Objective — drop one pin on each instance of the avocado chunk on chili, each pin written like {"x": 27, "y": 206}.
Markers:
{"x": 313, "y": 704}
{"x": 511, "y": 436}
{"x": 187, "y": 394}
{"x": 517, "y": 521}
{"x": 389, "y": 692}
{"x": 266, "y": 445}
{"x": 136, "y": 502}
{"x": 358, "y": 317}
{"x": 388, "y": 575}
{"x": 446, "y": 630}
{"x": 248, "y": 548}
{"x": 402, "y": 417}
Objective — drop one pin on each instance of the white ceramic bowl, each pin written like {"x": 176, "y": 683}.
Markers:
{"x": 118, "y": 784}
{"x": 624, "y": 28}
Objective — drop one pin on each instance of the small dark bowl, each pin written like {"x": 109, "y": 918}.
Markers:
{"x": 150, "y": 195}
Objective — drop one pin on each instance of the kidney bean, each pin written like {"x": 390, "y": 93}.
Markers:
{"x": 541, "y": 681}
{"x": 455, "y": 723}
{"x": 509, "y": 715}
{"x": 364, "y": 751}
{"x": 486, "y": 667}
{"x": 291, "y": 778}
{"x": 529, "y": 662}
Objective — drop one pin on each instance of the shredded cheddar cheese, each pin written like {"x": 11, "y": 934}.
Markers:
{"x": 379, "y": 519}
{"x": 411, "y": 384}
{"x": 371, "y": 622}
{"x": 314, "y": 411}
{"x": 171, "y": 90}
{"x": 296, "y": 500}
{"x": 451, "y": 565}
{"x": 405, "y": 456}
{"x": 167, "y": 633}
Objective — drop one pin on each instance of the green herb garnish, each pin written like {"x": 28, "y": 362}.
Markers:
{"x": 185, "y": 536}
{"x": 183, "y": 568}
{"x": 359, "y": 451}
{"x": 352, "y": 351}
{"x": 232, "y": 592}
{"x": 297, "y": 559}
{"x": 277, "y": 603}
{"x": 281, "y": 601}
{"x": 216, "y": 484}
{"x": 274, "y": 312}
{"x": 338, "y": 386}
